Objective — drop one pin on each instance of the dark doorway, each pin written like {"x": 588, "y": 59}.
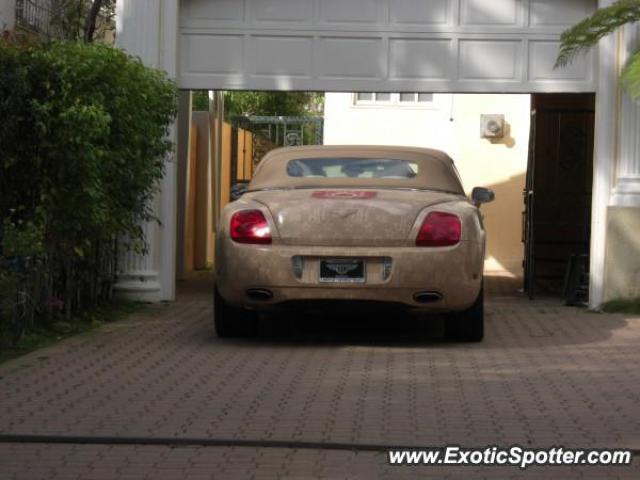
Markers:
{"x": 557, "y": 195}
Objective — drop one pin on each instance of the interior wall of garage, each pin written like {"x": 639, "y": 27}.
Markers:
{"x": 452, "y": 124}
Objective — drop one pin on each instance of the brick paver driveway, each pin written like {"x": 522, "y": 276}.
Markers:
{"x": 546, "y": 375}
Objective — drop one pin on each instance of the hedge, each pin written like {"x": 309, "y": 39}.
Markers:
{"x": 83, "y": 141}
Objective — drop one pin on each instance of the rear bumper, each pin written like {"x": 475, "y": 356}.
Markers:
{"x": 453, "y": 272}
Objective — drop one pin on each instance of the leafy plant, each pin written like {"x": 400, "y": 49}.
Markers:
{"x": 82, "y": 148}
{"x": 630, "y": 306}
{"x": 244, "y": 103}
{"x": 586, "y": 34}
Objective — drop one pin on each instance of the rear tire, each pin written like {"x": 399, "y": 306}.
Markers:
{"x": 468, "y": 325}
{"x": 232, "y": 322}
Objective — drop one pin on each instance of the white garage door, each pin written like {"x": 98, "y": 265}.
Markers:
{"x": 380, "y": 45}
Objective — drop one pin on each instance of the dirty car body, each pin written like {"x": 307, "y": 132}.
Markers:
{"x": 353, "y": 223}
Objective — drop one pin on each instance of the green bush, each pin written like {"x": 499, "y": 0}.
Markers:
{"x": 622, "y": 305}
{"x": 83, "y": 139}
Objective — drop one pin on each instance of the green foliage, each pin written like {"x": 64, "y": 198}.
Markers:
{"x": 631, "y": 75}
{"x": 630, "y": 306}
{"x": 269, "y": 103}
{"x": 22, "y": 238}
{"x": 82, "y": 147}
{"x": 242, "y": 103}
{"x": 72, "y": 19}
{"x": 83, "y": 139}
{"x": 587, "y": 33}
{"x": 200, "y": 101}
{"x": 68, "y": 18}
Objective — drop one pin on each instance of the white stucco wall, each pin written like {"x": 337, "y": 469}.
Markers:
{"x": 7, "y": 14}
{"x": 346, "y": 122}
{"x": 452, "y": 124}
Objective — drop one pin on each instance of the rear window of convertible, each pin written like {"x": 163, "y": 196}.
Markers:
{"x": 352, "y": 168}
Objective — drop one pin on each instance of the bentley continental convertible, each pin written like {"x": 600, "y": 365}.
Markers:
{"x": 353, "y": 224}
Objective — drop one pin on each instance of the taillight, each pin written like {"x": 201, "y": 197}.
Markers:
{"x": 250, "y": 226}
{"x": 439, "y": 229}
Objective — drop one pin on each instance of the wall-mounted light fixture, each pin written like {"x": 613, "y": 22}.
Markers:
{"x": 491, "y": 126}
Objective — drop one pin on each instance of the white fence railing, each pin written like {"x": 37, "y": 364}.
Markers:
{"x": 37, "y": 15}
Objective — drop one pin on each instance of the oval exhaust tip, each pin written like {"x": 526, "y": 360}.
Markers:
{"x": 261, "y": 294}
{"x": 427, "y": 297}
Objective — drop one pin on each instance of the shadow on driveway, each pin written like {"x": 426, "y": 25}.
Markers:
{"x": 511, "y": 321}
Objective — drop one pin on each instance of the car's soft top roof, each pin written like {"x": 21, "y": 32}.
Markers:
{"x": 435, "y": 171}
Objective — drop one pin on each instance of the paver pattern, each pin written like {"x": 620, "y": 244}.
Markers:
{"x": 58, "y": 462}
{"x": 546, "y": 375}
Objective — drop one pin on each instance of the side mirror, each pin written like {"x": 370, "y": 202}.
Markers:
{"x": 238, "y": 189}
{"x": 480, "y": 195}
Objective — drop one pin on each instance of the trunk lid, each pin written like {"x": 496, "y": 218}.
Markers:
{"x": 340, "y": 217}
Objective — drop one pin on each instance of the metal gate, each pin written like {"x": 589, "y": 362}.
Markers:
{"x": 266, "y": 134}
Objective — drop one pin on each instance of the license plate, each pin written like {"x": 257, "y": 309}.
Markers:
{"x": 342, "y": 270}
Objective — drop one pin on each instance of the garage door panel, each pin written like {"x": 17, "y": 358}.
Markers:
{"x": 348, "y": 57}
{"x": 381, "y": 45}
{"x": 419, "y": 12}
{"x": 282, "y": 55}
{"x": 213, "y": 54}
{"x": 351, "y": 12}
{"x": 494, "y": 12}
{"x": 420, "y": 59}
{"x": 542, "y": 57}
{"x": 490, "y": 60}
{"x": 270, "y": 11}
{"x": 216, "y": 10}
{"x": 559, "y": 13}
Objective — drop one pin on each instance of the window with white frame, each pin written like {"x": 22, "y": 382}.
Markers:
{"x": 393, "y": 99}
{"x": 415, "y": 98}
{"x": 371, "y": 97}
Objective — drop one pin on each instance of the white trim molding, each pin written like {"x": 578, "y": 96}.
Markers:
{"x": 605, "y": 150}
{"x": 626, "y": 191}
{"x": 148, "y": 29}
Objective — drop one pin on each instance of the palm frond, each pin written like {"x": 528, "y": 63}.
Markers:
{"x": 585, "y": 34}
{"x": 631, "y": 75}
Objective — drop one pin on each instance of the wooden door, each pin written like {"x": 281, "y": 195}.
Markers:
{"x": 559, "y": 182}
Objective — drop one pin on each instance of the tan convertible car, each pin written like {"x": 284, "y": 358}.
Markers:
{"x": 352, "y": 223}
